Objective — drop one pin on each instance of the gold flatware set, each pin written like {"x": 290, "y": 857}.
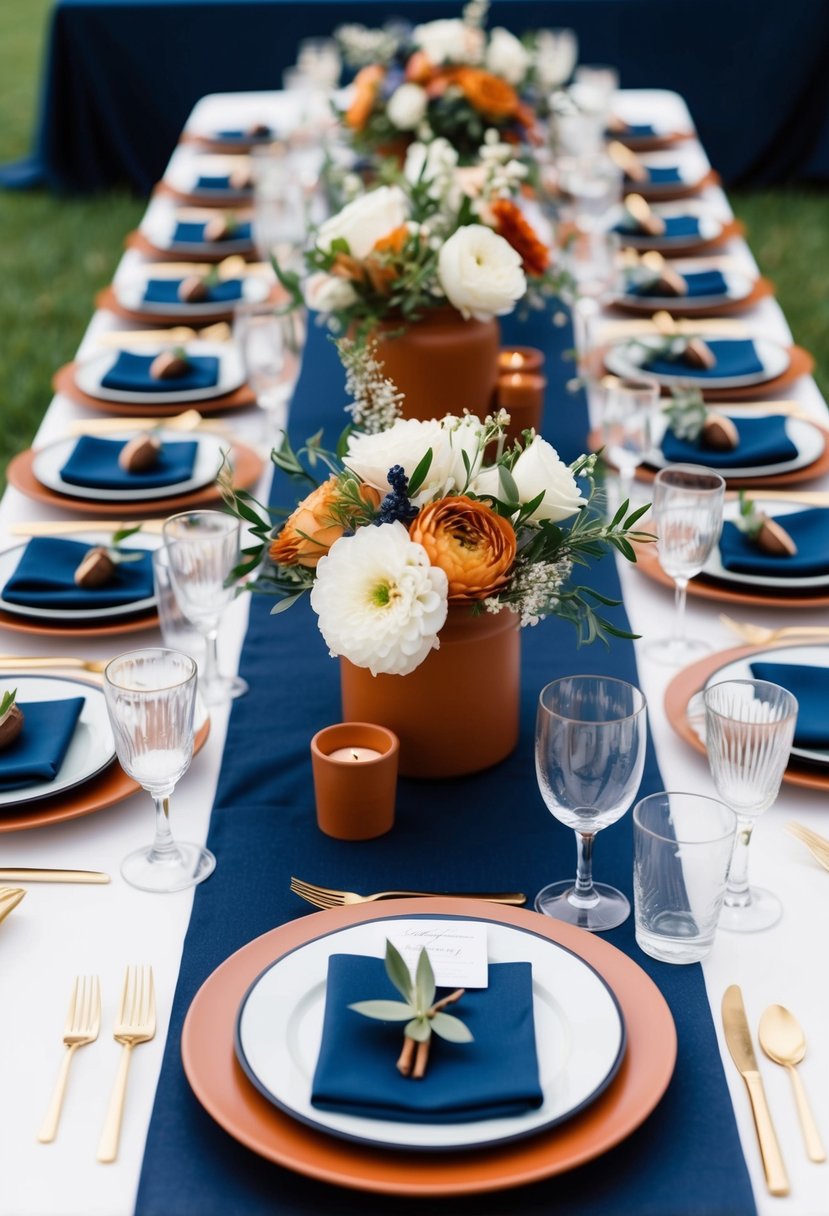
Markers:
{"x": 329, "y": 897}
{"x": 817, "y": 845}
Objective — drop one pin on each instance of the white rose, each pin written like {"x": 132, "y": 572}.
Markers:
{"x": 449, "y": 40}
{"x": 464, "y": 437}
{"x": 405, "y": 442}
{"x": 539, "y": 468}
{"x": 328, "y": 293}
{"x": 407, "y": 106}
{"x": 507, "y": 56}
{"x": 488, "y": 481}
{"x": 364, "y": 221}
{"x": 425, "y": 162}
{"x": 480, "y": 273}
{"x": 555, "y": 57}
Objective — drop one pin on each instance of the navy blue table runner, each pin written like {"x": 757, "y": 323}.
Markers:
{"x": 488, "y": 831}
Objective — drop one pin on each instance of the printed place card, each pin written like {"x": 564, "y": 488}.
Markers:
{"x": 456, "y": 948}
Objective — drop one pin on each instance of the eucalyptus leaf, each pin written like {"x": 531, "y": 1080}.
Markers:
{"x": 452, "y": 1029}
{"x": 385, "y": 1011}
{"x": 8, "y": 701}
{"x": 424, "y": 982}
{"x": 398, "y": 972}
{"x": 283, "y": 605}
{"x": 418, "y": 476}
{"x": 418, "y": 1029}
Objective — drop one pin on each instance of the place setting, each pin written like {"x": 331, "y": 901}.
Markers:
{"x": 168, "y": 294}
{"x": 681, "y": 172}
{"x": 205, "y": 179}
{"x": 687, "y": 288}
{"x": 169, "y": 232}
{"x": 681, "y": 229}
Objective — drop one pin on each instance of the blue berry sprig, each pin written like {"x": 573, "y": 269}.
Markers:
{"x": 396, "y": 505}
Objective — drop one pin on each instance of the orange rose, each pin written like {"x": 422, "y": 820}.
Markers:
{"x": 471, "y": 544}
{"x": 366, "y": 87}
{"x": 311, "y": 530}
{"x": 513, "y": 227}
{"x": 489, "y": 94}
{"x": 419, "y": 69}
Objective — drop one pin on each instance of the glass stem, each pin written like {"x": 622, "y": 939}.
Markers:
{"x": 584, "y": 311}
{"x": 584, "y": 894}
{"x": 211, "y": 658}
{"x": 164, "y": 847}
{"x": 738, "y": 893}
{"x": 680, "y": 596}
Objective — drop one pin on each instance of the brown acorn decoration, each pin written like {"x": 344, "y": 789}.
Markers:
{"x": 219, "y": 228}
{"x": 766, "y": 533}
{"x": 719, "y": 433}
{"x": 239, "y": 178}
{"x": 648, "y": 221}
{"x": 670, "y": 283}
{"x": 11, "y": 720}
{"x": 192, "y": 290}
{"x": 169, "y": 365}
{"x": 259, "y": 130}
{"x": 698, "y": 354}
{"x": 140, "y": 453}
{"x": 95, "y": 569}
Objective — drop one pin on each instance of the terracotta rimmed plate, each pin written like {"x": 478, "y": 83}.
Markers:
{"x": 668, "y": 191}
{"x": 137, "y": 240}
{"x": 247, "y": 468}
{"x": 658, "y": 142}
{"x": 688, "y": 307}
{"x": 684, "y": 687}
{"x": 63, "y": 382}
{"x": 241, "y": 198}
{"x": 109, "y": 787}
{"x": 68, "y": 632}
{"x": 108, "y": 300}
{"x": 689, "y": 248}
{"x": 801, "y": 363}
{"x": 222, "y": 1088}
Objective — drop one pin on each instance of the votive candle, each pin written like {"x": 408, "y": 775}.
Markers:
{"x": 520, "y": 359}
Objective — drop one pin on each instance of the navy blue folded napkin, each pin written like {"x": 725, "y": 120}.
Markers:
{"x": 808, "y": 529}
{"x": 217, "y": 183}
{"x": 810, "y": 687}
{"x": 94, "y": 464}
{"x": 676, "y": 226}
{"x": 165, "y": 291}
{"x": 39, "y": 750}
{"x": 762, "y": 441}
{"x": 44, "y": 577}
{"x": 699, "y": 283}
{"x": 634, "y": 130}
{"x": 667, "y": 176}
{"x": 238, "y": 135}
{"x": 131, "y": 373}
{"x": 735, "y": 357}
{"x": 189, "y": 233}
{"x": 494, "y": 1076}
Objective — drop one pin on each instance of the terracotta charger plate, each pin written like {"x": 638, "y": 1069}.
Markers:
{"x": 223, "y": 1089}
{"x": 728, "y": 593}
{"x": 692, "y": 679}
{"x": 247, "y": 468}
{"x": 668, "y": 191}
{"x": 684, "y": 306}
{"x": 137, "y": 240}
{"x": 730, "y": 230}
{"x": 108, "y": 300}
{"x": 801, "y": 363}
{"x": 69, "y": 632}
{"x": 653, "y": 143}
{"x": 111, "y": 786}
{"x": 241, "y": 198}
{"x": 63, "y": 382}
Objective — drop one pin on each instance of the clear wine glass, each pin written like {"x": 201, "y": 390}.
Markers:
{"x": 749, "y": 727}
{"x": 203, "y": 549}
{"x": 687, "y": 515}
{"x": 270, "y": 342}
{"x": 627, "y": 427}
{"x": 280, "y": 221}
{"x": 151, "y": 697}
{"x": 590, "y": 258}
{"x": 589, "y": 755}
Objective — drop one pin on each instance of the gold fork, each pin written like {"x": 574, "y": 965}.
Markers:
{"x": 135, "y": 1024}
{"x": 328, "y": 897}
{"x": 758, "y": 635}
{"x": 83, "y": 1021}
{"x": 10, "y": 897}
{"x": 817, "y": 845}
{"x": 18, "y": 662}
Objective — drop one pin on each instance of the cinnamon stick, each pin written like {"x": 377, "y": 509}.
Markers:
{"x": 406, "y": 1057}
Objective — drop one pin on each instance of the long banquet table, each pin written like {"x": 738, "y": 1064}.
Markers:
{"x": 173, "y": 1159}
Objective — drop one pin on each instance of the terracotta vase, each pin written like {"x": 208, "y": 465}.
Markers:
{"x": 458, "y": 712}
{"x": 442, "y": 363}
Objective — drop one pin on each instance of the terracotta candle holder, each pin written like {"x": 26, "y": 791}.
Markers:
{"x": 519, "y": 359}
{"x": 355, "y": 779}
{"x": 522, "y": 395}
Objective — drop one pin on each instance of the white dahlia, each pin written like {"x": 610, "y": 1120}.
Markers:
{"x": 379, "y": 601}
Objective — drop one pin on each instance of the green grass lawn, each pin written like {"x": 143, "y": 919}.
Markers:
{"x": 57, "y": 252}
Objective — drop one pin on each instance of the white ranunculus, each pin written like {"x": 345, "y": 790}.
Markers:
{"x": 405, "y": 442}
{"x": 379, "y": 601}
{"x": 364, "y": 221}
{"x": 425, "y": 162}
{"x": 507, "y": 56}
{"x": 538, "y": 468}
{"x": 555, "y": 57}
{"x": 328, "y": 293}
{"x": 480, "y": 273}
{"x": 407, "y": 106}
{"x": 449, "y": 40}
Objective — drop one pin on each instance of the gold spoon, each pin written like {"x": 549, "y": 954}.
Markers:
{"x": 783, "y": 1041}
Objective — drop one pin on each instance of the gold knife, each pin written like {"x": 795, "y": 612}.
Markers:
{"x": 738, "y": 1038}
{"x": 30, "y": 874}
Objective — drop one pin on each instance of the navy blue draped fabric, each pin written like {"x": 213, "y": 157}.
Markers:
{"x": 488, "y": 831}
{"x": 121, "y": 76}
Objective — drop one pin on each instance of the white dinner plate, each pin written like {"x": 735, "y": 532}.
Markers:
{"x": 130, "y": 287}
{"x": 688, "y": 159}
{"x": 161, "y": 217}
{"x": 90, "y": 374}
{"x": 627, "y": 359}
{"x": 8, "y": 564}
{"x": 92, "y": 747}
{"x": 50, "y": 460}
{"x": 794, "y": 656}
{"x": 710, "y": 227}
{"x": 808, "y": 439}
{"x": 738, "y": 286}
{"x": 715, "y": 569}
{"x": 579, "y": 1031}
{"x": 187, "y": 165}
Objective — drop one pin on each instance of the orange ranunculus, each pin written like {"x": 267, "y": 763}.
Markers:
{"x": 488, "y": 94}
{"x": 419, "y": 69}
{"x": 311, "y": 530}
{"x": 366, "y": 86}
{"x": 513, "y": 227}
{"x": 347, "y": 267}
{"x": 393, "y": 241}
{"x": 471, "y": 544}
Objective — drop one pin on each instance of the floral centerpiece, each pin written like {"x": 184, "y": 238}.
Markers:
{"x": 425, "y": 529}
{"x": 450, "y": 78}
